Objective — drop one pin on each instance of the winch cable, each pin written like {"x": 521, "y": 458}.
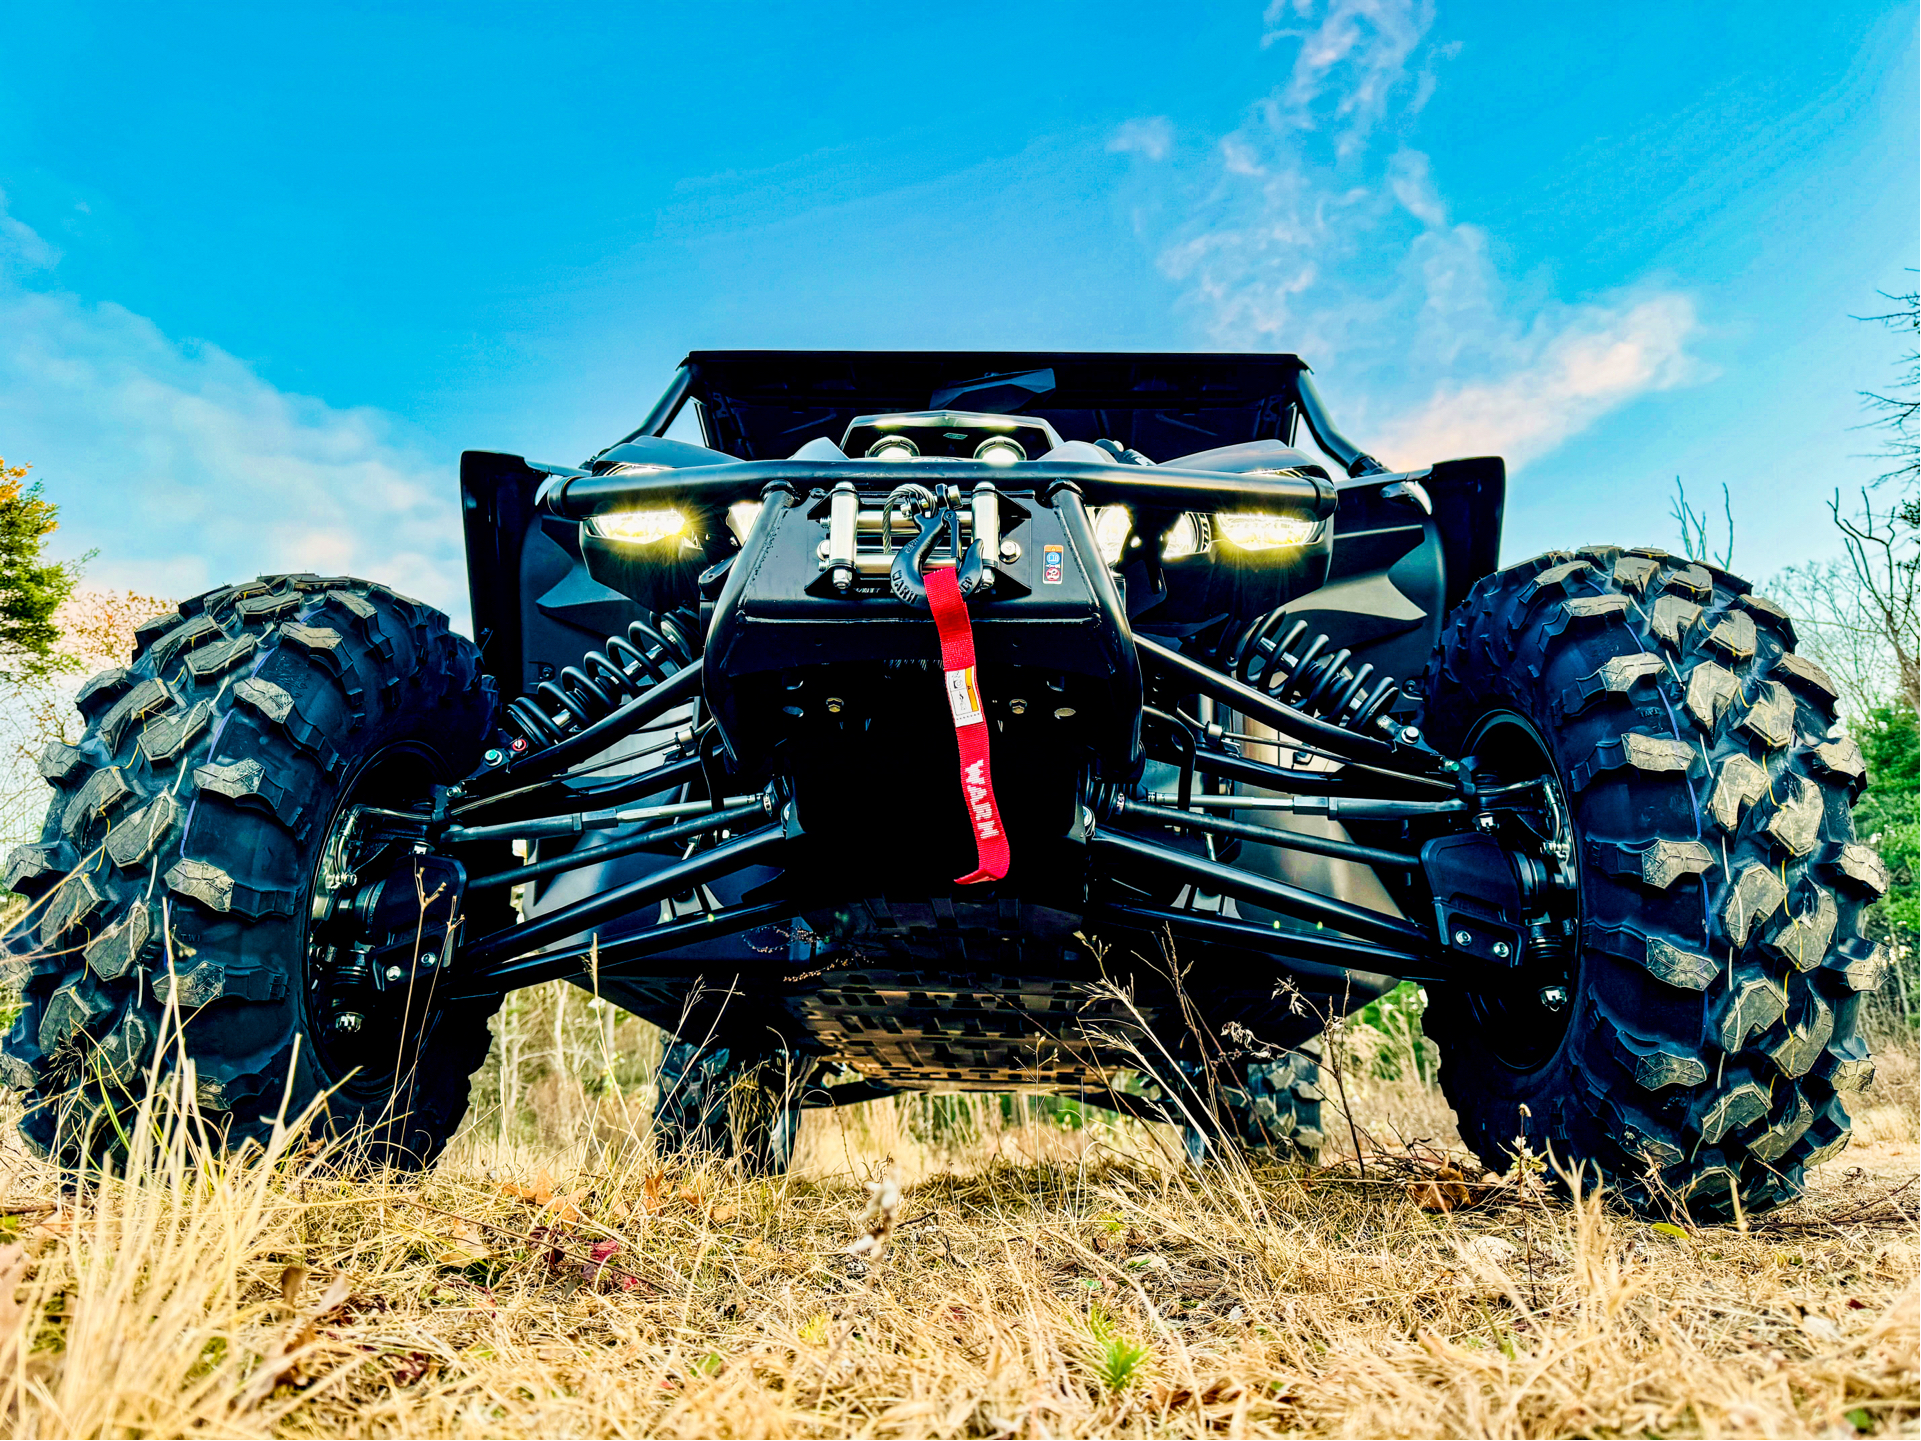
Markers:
{"x": 970, "y": 727}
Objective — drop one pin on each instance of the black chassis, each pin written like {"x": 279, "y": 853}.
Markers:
{"x": 757, "y": 832}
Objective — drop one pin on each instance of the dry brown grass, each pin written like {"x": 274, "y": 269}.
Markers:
{"x": 1039, "y": 1282}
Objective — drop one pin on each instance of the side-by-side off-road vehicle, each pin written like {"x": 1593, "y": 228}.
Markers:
{"x": 983, "y": 722}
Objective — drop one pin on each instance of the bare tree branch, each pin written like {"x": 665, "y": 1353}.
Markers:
{"x": 1898, "y": 413}
{"x": 1694, "y": 527}
{"x": 1887, "y": 563}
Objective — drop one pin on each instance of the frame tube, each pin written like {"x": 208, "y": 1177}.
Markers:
{"x": 1276, "y": 895}
{"x": 540, "y": 870}
{"x": 673, "y": 880}
{"x": 1263, "y": 835}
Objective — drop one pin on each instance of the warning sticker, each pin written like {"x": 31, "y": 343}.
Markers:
{"x": 963, "y": 694}
{"x": 1053, "y": 560}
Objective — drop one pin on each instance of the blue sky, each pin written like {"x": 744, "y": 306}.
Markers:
{"x": 266, "y": 270}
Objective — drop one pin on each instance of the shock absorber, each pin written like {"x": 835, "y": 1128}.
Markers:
{"x": 626, "y": 667}
{"x": 1306, "y": 672}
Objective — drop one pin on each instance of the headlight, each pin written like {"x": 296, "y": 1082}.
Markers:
{"x": 741, "y": 516}
{"x": 1000, "y": 450}
{"x": 638, "y": 527}
{"x": 1183, "y": 539}
{"x": 1112, "y": 526}
{"x": 1266, "y": 532}
{"x": 893, "y": 447}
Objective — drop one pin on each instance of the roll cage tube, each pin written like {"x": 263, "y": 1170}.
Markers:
{"x": 1308, "y": 401}
{"x": 666, "y": 410}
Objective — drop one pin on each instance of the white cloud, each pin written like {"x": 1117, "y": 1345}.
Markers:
{"x": 1578, "y": 367}
{"x": 1360, "y": 47}
{"x": 186, "y": 469}
{"x": 1313, "y": 229}
{"x": 1152, "y": 137}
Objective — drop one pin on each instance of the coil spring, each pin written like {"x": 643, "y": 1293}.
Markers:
{"x": 1311, "y": 677}
{"x": 605, "y": 679}
{"x": 1548, "y": 946}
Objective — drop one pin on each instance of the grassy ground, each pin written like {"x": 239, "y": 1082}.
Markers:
{"x": 1035, "y": 1280}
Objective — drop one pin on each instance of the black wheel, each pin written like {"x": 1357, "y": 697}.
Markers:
{"x": 176, "y": 872}
{"x": 1687, "y": 1024}
{"x": 729, "y": 1098}
{"x": 1271, "y": 1106}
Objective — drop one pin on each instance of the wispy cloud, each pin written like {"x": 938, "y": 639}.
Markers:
{"x": 1359, "y": 49}
{"x": 1573, "y": 369}
{"x": 1152, "y": 137}
{"x": 1314, "y": 227}
{"x": 186, "y": 469}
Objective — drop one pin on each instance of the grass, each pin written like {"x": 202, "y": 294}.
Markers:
{"x": 1036, "y": 1280}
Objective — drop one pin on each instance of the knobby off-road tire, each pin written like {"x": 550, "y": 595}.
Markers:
{"x": 728, "y": 1098}
{"x": 208, "y": 778}
{"x": 1711, "y": 1032}
{"x": 1273, "y": 1107}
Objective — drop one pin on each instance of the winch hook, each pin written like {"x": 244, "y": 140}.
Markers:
{"x": 905, "y": 575}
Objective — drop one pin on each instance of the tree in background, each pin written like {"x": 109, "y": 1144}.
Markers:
{"x": 1886, "y": 818}
{"x": 1897, "y": 414}
{"x": 1857, "y": 615}
{"x": 95, "y": 631}
{"x": 53, "y": 634}
{"x": 32, "y": 587}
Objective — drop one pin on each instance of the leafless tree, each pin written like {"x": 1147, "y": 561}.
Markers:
{"x": 1694, "y": 527}
{"x": 1883, "y": 551}
{"x": 1857, "y": 614}
{"x": 1898, "y": 413}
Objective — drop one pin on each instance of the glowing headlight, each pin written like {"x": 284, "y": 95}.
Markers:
{"x": 638, "y": 527}
{"x": 741, "y": 516}
{"x": 1183, "y": 538}
{"x": 1000, "y": 450}
{"x": 1112, "y": 526}
{"x": 1266, "y": 532}
{"x": 893, "y": 447}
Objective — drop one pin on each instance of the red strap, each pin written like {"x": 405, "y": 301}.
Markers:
{"x": 970, "y": 726}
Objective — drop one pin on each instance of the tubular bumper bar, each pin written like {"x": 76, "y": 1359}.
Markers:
{"x": 1158, "y": 488}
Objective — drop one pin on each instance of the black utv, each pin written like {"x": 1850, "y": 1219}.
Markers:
{"x": 975, "y": 721}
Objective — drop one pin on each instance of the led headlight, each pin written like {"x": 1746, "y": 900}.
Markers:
{"x": 638, "y": 527}
{"x": 1183, "y": 538}
{"x": 1266, "y": 532}
{"x": 1000, "y": 450}
{"x": 1112, "y": 526}
{"x": 741, "y": 516}
{"x": 893, "y": 447}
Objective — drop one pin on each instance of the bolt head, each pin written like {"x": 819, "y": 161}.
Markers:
{"x": 348, "y": 1022}
{"x": 1554, "y": 998}
{"x": 1410, "y": 734}
{"x": 1017, "y": 707}
{"x": 1501, "y": 950}
{"x": 1010, "y": 551}
{"x": 1463, "y": 938}
{"x": 495, "y": 757}
{"x": 835, "y": 705}
{"x": 1485, "y": 822}
{"x": 396, "y": 973}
